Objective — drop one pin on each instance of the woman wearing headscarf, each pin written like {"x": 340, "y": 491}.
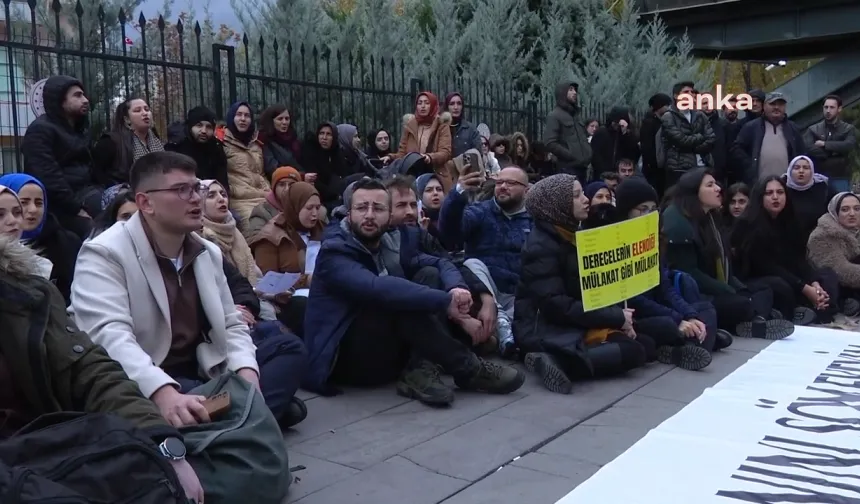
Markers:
{"x": 284, "y": 242}
{"x": 130, "y": 138}
{"x": 561, "y": 341}
{"x": 219, "y": 227}
{"x": 378, "y": 145}
{"x": 42, "y": 232}
{"x": 281, "y": 144}
{"x": 809, "y": 193}
{"x": 427, "y": 133}
{"x": 698, "y": 246}
{"x": 248, "y": 184}
{"x": 11, "y": 214}
{"x": 355, "y": 161}
{"x": 835, "y": 244}
{"x": 770, "y": 250}
{"x": 324, "y": 163}
{"x": 430, "y": 192}
{"x": 282, "y": 178}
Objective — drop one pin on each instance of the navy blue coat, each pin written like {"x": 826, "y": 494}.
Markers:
{"x": 346, "y": 282}
{"x": 663, "y": 301}
{"x": 746, "y": 150}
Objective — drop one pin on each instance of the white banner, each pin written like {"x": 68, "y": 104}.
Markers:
{"x": 783, "y": 428}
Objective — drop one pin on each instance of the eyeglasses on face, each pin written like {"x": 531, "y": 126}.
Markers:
{"x": 363, "y": 208}
{"x": 184, "y": 191}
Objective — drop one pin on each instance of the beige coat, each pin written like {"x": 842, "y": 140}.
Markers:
{"x": 832, "y": 246}
{"x": 438, "y": 146}
{"x": 248, "y": 184}
{"x": 119, "y": 299}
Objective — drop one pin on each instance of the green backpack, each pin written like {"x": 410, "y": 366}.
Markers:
{"x": 241, "y": 456}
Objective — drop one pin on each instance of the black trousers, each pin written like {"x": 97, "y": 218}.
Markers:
{"x": 615, "y": 356}
{"x": 786, "y": 299}
{"x": 743, "y": 306}
{"x": 664, "y": 331}
{"x": 292, "y": 315}
{"x": 378, "y": 345}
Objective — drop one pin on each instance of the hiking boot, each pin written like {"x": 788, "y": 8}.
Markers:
{"x": 804, "y": 316}
{"x": 687, "y": 356}
{"x": 723, "y": 340}
{"x": 851, "y": 307}
{"x": 424, "y": 383}
{"x": 489, "y": 347}
{"x": 769, "y": 330}
{"x": 296, "y": 412}
{"x": 552, "y": 375}
{"x": 492, "y": 378}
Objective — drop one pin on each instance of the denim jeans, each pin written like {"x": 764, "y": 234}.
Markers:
{"x": 282, "y": 359}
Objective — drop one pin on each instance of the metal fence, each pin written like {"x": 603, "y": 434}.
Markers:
{"x": 176, "y": 67}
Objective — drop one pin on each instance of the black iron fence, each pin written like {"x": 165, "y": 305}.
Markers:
{"x": 178, "y": 66}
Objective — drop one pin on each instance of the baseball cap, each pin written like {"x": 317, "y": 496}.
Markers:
{"x": 775, "y": 97}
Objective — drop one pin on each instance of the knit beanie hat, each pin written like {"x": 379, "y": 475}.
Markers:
{"x": 199, "y": 114}
{"x": 631, "y": 193}
{"x": 592, "y": 188}
{"x": 285, "y": 172}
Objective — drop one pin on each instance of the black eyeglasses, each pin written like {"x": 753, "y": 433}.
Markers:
{"x": 184, "y": 191}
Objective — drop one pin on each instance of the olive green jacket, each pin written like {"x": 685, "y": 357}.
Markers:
{"x": 56, "y": 366}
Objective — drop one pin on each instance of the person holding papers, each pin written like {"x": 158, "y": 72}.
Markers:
{"x": 289, "y": 243}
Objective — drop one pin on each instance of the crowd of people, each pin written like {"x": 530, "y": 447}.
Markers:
{"x": 315, "y": 261}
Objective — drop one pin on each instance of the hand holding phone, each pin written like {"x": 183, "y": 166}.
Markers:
{"x": 217, "y": 404}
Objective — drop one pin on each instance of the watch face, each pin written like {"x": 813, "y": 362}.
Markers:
{"x": 175, "y": 447}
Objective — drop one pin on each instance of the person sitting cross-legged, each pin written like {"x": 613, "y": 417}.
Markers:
{"x": 154, "y": 294}
{"x": 368, "y": 311}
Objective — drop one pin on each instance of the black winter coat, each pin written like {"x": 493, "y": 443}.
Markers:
{"x": 746, "y": 151}
{"x": 548, "y": 314}
{"x": 210, "y": 158}
{"x": 275, "y": 156}
{"x": 684, "y": 139}
{"x": 60, "y": 246}
{"x": 241, "y": 289}
{"x": 57, "y": 153}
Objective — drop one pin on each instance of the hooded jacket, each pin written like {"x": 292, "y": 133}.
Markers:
{"x": 57, "y": 152}
{"x": 210, "y": 158}
{"x": 564, "y": 135}
{"x": 54, "y": 365}
{"x": 327, "y": 164}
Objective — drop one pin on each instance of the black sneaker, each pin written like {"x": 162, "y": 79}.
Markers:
{"x": 423, "y": 382}
{"x": 296, "y": 412}
{"x": 553, "y": 377}
{"x": 803, "y": 316}
{"x": 687, "y": 356}
{"x": 723, "y": 340}
{"x": 851, "y": 307}
{"x": 769, "y": 330}
{"x": 492, "y": 378}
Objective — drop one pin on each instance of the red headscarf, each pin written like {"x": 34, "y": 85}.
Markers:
{"x": 434, "y": 108}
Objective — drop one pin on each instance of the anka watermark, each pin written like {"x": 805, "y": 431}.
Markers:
{"x": 732, "y": 102}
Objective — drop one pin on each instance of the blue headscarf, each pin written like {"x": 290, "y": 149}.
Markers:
{"x": 16, "y": 181}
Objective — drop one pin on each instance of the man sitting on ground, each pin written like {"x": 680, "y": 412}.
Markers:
{"x": 368, "y": 312}
{"x": 154, "y": 294}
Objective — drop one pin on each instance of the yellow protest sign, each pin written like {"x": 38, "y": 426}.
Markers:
{"x": 619, "y": 261}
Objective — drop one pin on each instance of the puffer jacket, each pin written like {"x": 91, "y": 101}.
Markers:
{"x": 832, "y": 246}
{"x": 57, "y": 153}
{"x": 565, "y": 136}
{"x": 683, "y": 139}
{"x": 248, "y": 184}
{"x": 840, "y": 139}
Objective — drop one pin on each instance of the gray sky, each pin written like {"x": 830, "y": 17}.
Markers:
{"x": 220, "y": 10}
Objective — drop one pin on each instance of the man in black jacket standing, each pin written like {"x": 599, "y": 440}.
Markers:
{"x": 565, "y": 136}
{"x": 659, "y": 104}
{"x": 687, "y": 135}
{"x": 830, "y": 142}
{"x": 56, "y": 149}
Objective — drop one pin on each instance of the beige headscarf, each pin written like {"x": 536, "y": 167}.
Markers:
{"x": 228, "y": 237}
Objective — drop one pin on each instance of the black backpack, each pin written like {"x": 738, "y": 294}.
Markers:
{"x": 77, "y": 458}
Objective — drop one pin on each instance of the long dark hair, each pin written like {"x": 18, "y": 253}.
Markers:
{"x": 756, "y": 224}
{"x": 734, "y": 189}
{"x": 108, "y": 217}
{"x": 266, "y": 121}
{"x": 685, "y": 196}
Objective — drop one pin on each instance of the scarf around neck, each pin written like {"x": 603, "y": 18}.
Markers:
{"x": 816, "y": 177}
{"x": 233, "y": 245}
{"x": 139, "y": 148}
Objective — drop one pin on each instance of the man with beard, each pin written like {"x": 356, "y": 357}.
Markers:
{"x": 196, "y": 139}
{"x": 830, "y": 143}
{"x": 478, "y": 326}
{"x": 493, "y": 231}
{"x": 367, "y": 313}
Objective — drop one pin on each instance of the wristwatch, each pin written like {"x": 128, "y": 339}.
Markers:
{"x": 172, "y": 448}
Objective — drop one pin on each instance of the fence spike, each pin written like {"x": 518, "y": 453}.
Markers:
{"x": 179, "y": 26}
{"x": 120, "y": 15}
{"x": 315, "y": 53}
{"x": 101, "y": 12}
{"x": 161, "y": 22}
{"x": 141, "y": 20}
{"x": 289, "y": 46}
{"x": 197, "y": 29}
{"x": 56, "y": 6}
{"x": 275, "y": 46}
{"x": 79, "y": 9}
{"x": 302, "y": 50}
{"x": 262, "y": 44}
{"x": 245, "y": 40}
{"x": 32, "y": 4}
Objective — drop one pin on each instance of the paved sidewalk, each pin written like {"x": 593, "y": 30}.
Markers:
{"x": 374, "y": 447}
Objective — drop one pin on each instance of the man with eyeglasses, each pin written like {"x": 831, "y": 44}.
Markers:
{"x": 154, "y": 295}
{"x": 368, "y": 316}
{"x": 493, "y": 231}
